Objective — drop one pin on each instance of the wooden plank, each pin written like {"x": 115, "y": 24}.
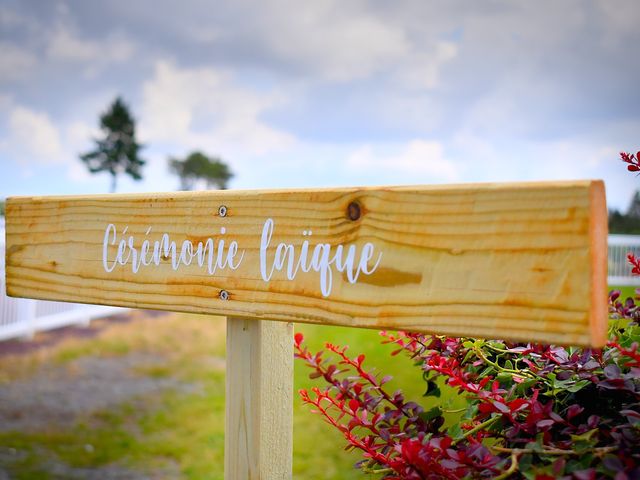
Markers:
{"x": 259, "y": 401}
{"x": 517, "y": 261}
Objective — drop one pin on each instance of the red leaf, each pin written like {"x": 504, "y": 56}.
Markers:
{"x": 501, "y": 407}
{"x": 574, "y": 410}
{"x": 545, "y": 423}
{"x": 517, "y": 404}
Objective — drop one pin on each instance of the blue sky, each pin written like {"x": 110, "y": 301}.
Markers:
{"x": 324, "y": 93}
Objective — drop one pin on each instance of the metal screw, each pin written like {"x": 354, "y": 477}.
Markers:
{"x": 222, "y": 211}
{"x": 224, "y": 295}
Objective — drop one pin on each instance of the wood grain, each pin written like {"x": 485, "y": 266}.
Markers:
{"x": 259, "y": 406}
{"x": 517, "y": 261}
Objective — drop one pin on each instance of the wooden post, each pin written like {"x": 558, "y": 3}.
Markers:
{"x": 259, "y": 415}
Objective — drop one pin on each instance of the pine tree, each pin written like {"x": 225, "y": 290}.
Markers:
{"x": 117, "y": 151}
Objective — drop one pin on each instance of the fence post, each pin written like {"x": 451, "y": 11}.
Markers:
{"x": 259, "y": 409}
{"x": 85, "y": 320}
{"x": 27, "y": 316}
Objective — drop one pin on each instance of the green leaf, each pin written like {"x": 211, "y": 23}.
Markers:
{"x": 584, "y": 442}
{"x": 469, "y": 355}
{"x": 455, "y": 431}
{"x": 471, "y": 411}
{"x": 586, "y": 436}
{"x": 577, "y": 386}
{"x": 487, "y": 371}
{"x": 432, "y": 389}
{"x": 431, "y": 414}
{"x": 524, "y": 465}
{"x": 525, "y": 385}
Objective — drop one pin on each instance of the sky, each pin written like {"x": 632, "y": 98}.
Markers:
{"x": 323, "y": 93}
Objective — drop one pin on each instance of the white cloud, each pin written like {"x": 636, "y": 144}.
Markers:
{"x": 622, "y": 14}
{"x": 6, "y": 101}
{"x": 78, "y": 172}
{"x": 34, "y": 135}
{"x": 337, "y": 41}
{"x": 10, "y": 19}
{"x": 32, "y": 140}
{"x": 328, "y": 37}
{"x": 203, "y": 34}
{"x": 511, "y": 92}
{"x": 203, "y": 108}
{"x": 63, "y": 45}
{"x": 422, "y": 69}
{"x": 487, "y": 159}
{"x": 15, "y": 62}
{"x": 419, "y": 160}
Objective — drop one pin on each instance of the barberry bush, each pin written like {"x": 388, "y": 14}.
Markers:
{"x": 533, "y": 411}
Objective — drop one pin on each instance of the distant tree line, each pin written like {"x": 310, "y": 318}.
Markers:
{"x": 629, "y": 222}
{"x": 117, "y": 151}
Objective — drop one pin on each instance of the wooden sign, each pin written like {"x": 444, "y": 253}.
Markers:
{"x": 518, "y": 261}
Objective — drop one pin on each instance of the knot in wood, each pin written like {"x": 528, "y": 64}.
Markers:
{"x": 353, "y": 211}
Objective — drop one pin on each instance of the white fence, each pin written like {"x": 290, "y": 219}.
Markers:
{"x": 619, "y": 273}
{"x": 21, "y": 317}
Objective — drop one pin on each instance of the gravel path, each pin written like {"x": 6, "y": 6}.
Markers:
{"x": 55, "y": 396}
{"x": 58, "y": 470}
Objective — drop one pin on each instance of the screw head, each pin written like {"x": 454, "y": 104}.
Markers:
{"x": 222, "y": 211}
{"x": 224, "y": 295}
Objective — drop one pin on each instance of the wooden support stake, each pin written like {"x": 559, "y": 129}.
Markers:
{"x": 259, "y": 415}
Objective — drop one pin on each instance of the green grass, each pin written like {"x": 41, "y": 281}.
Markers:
{"x": 625, "y": 292}
{"x": 187, "y": 429}
{"x": 317, "y": 452}
{"x": 147, "y": 434}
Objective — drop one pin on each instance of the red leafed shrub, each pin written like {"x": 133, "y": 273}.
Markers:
{"x": 534, "y": 411}
{"x": 632, "y": 161}
{"x": 635, "y": 263}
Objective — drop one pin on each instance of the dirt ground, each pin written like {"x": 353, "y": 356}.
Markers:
{"x": 41, "y": 392}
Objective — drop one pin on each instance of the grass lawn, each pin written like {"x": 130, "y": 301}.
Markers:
{"x": 316, "y": 443}
{"x": 173, "y": 433}
{"x": 625, "y": 292}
